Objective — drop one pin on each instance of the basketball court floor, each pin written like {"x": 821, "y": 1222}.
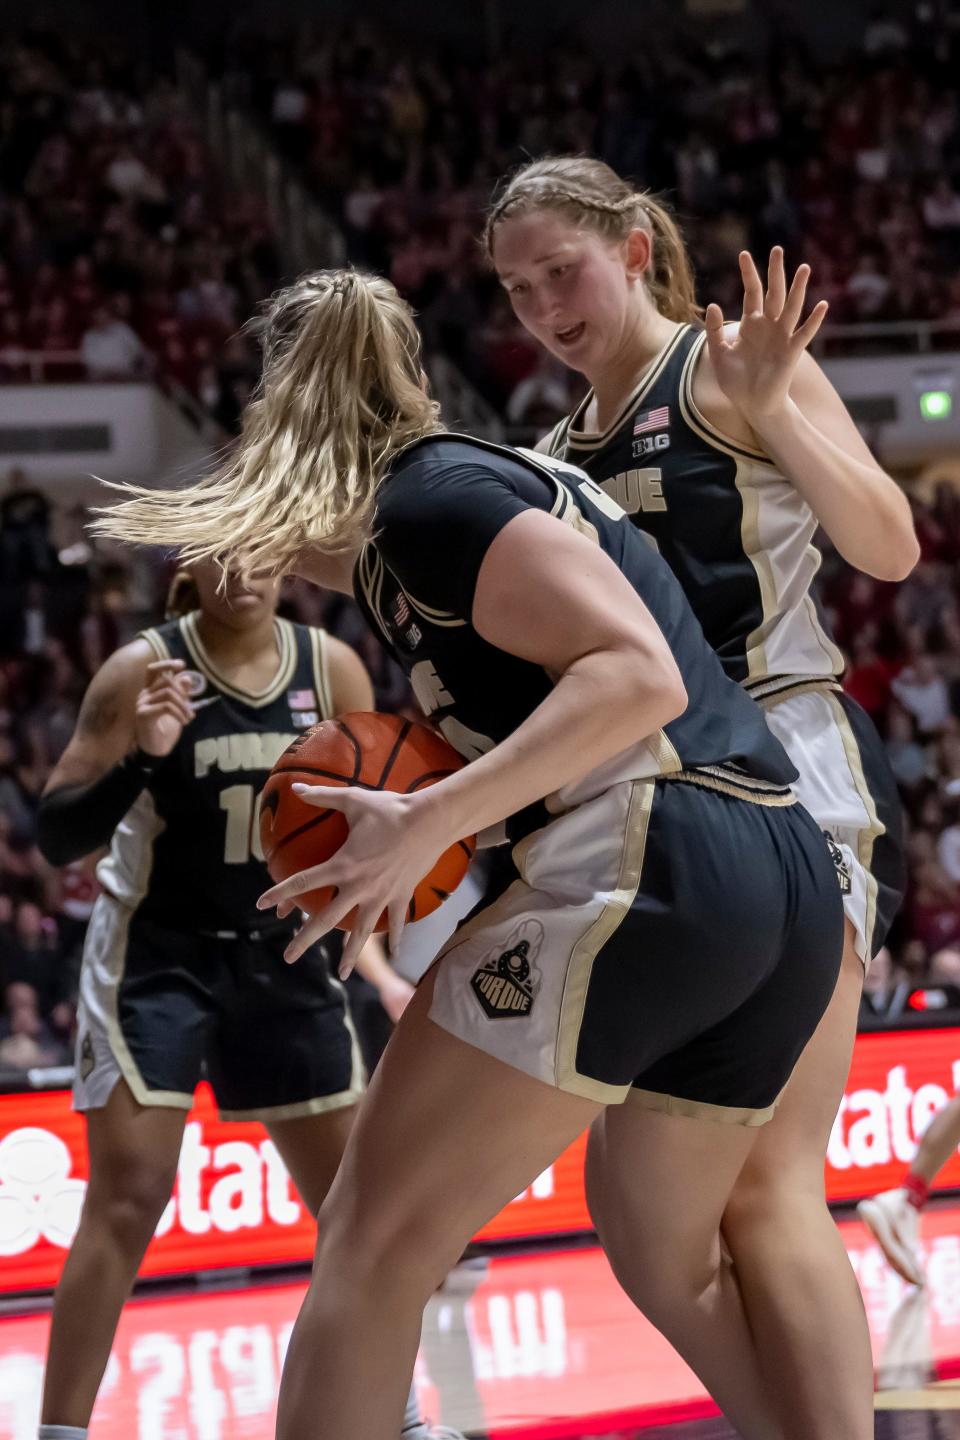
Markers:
{"x": 523, "y": 1345}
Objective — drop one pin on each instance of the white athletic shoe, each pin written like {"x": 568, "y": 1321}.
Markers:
{"x": 894, "y": 1224}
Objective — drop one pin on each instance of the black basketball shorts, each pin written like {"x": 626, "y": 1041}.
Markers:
{"x": 161, "y": 1008}
{"x": 668, "y": 943}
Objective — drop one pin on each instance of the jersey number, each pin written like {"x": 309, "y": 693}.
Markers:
{"x": 243, "y": 824}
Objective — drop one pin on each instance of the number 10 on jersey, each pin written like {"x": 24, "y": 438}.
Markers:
{"x": 242, "y": 838}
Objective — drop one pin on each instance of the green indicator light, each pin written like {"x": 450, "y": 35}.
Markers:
{"x": 936, "y": 404}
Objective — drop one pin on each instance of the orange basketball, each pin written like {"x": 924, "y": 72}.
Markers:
{"x": 379, "y": 752}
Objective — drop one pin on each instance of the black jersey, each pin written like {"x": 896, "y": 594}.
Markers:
{"x": 737, "y": 535}
{"x": 441, "y": 506}
{"x": 187, "y": 853}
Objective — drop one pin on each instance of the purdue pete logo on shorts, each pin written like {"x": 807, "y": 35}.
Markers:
{"x": 840, "y": 863}
{"x": 507, "y": 983}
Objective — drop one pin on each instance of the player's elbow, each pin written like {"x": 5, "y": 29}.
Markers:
{"x": 657, "y": 678}
{"x": 897, "y": 548}
{"x": 52, "y": 844}
{"x": 903, "y": 556}
{"x": 56, "y": 843}
{"x": 891, "y": 561}
{"x": 675, "y": 698}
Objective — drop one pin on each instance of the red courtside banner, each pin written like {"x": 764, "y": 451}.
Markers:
{"x": 234, "y": 1205}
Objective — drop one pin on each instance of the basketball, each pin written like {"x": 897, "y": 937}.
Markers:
{"x": 379, "y": 752}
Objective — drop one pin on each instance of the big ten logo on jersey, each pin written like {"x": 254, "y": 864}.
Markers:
{"x": 649, "y": 445}
{"x": 432, "y": 695}
{"x": 636, "y": 491}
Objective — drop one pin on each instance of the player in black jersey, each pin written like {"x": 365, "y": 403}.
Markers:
{"x": 674, "y": 931}
{"x": 727, "y": 446}
{"x": 175, "y": 738}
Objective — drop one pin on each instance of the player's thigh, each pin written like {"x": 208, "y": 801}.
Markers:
{"x": 311, "y": 1147}
{"x": 791, "y": 1149}
{"x": 133, "y": 1151}
{"x": 446, "y": 1136}
{"x": 657, "y": 1187}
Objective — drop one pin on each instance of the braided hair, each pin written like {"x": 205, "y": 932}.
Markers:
{"x": 595, "y": 196}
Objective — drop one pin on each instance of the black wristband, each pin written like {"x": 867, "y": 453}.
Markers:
{"x": 142, "y": 762}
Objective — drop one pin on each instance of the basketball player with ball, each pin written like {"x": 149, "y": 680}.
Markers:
{"x": 176, "y": 735}
{"x": 675, "y": 928}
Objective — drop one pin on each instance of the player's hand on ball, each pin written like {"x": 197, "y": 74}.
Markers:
{"x": 754, "y": 368}
{"x": 162, "y": 708}
{"x": 393, "y": 841}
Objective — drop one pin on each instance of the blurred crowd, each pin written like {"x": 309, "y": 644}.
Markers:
{"x": 65, "y": 605}
{"x": 121, "y": 251}
{"x": 854, "y": 166}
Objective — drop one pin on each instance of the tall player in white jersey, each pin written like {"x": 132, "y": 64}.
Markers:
{"x": 727, "y": 445}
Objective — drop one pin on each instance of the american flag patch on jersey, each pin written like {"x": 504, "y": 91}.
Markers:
{"x": 401, "y": 610}
{"x": 302, "y": 700}
{"x": 652, "y": 420}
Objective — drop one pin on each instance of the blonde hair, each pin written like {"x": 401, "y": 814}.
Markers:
{"x": 182, "y": 596}
{"x": 594, "y": 195}
{"x": 341, "y": 393}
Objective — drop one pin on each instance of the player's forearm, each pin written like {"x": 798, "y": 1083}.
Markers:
{"x": 862, "y": 509}
{"x": 75, "y": 820}
{"x": 601, "y": 705}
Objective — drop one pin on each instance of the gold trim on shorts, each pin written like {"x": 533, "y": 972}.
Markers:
{"x": 674, "y": 1105}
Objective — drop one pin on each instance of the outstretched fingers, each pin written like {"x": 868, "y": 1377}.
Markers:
{"x": 776, "y": 285}
{"x": 811, "y": 325}
{"x": 793, "y": 308}
{"x": 752, "y": 286}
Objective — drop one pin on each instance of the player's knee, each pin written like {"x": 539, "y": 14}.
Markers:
{"x": 131, "y": 1206}
{"x": 407, "y": 1253}
{"x": 764, "y": 1196}
{"x": 664, "y": 1281}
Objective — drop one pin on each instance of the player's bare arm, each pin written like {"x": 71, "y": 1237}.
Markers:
{"x": 548, "y": 595}
{"x": 350, "y": 686}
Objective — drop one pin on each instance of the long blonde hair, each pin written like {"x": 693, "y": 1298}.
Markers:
{"x": 341, "y": 393}
{"x": 594, "y": 195}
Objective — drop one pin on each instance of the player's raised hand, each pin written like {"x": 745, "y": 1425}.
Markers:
{"x": 162, "y": 708}
{"x": 393, "y": 841}
{"x": 754, "y": 368}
